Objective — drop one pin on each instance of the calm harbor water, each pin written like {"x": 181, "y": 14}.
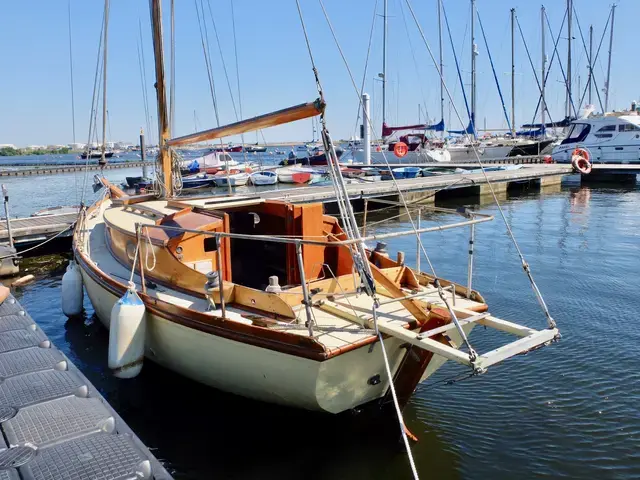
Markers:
{"x": 570, "y": 410}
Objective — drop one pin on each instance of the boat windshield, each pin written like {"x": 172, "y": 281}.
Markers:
{"x": 577, "y": 133}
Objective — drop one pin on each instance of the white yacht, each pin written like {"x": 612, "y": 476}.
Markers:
{"x": 610, "y": 138}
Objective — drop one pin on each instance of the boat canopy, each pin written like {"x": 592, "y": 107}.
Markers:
{"x": 387, "y": 130}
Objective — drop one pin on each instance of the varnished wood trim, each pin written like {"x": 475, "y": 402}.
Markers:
{"x": 282, "y": 342}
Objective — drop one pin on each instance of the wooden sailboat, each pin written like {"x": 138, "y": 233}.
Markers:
{"x": 259, "y": 297}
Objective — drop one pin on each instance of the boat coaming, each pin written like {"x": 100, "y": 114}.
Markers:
{"x": 249, "y": 360}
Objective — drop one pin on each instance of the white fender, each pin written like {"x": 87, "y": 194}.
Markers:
{"x": 72, "y": 290}
{"x": 127, "y": 335}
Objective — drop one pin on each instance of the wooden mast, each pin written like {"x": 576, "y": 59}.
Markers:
{"x": 161, "y": 97}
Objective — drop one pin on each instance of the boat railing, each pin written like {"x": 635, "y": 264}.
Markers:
{"x": 473, "y": 218}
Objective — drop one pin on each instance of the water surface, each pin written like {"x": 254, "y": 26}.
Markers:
{"x": 571, "y": 410}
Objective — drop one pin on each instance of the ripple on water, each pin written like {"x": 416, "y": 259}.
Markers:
{"x": 571, "y": 410}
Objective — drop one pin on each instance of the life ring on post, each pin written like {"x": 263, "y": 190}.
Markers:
{"x": 580, "y": 159}
{"x": 400, "y": 149}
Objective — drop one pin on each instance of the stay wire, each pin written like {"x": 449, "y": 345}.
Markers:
{"x": 205, "y": 42}
{"x": 415, "y": 65}
{"x": 592, "y": 61}
{"x": 546, "y": 77}
{"x": 551, "y": 322}
{"x": 91, "y": 118}
{"x": 533, "y": 68}
{"x": 472, "y": 353}
{"x": 366, "y": 63}
{"x": 226, "y": 73}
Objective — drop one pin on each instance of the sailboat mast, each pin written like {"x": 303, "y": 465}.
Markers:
{"x": 543, "y": 106}
{"x": 590, "y": 61}
{"x": 73, "y": 105}
{"x": 569, "y": 22}
{"x": 103, "y": 160}
{"x": 513, "y": 74}
{"x": 384, "y": 65}
{"x": 441, "y": 67}
{"x": 172, "y": 91}
{"x": 606, "y": 94}
{"x": 161, "y": 98}
{"x": 473, "y": 67}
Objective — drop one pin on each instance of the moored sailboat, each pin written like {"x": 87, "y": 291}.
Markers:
{"x": 276, "y": 301}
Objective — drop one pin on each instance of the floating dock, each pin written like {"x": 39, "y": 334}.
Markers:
{"x": 414, "y": 189}
{"x": 55, "y": 424}
{"x": 53, "y": 169}
{"x": 30, "y": 231}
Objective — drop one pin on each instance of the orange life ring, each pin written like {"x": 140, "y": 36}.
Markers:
{"x": 581, "y": 164}
{"x": 378, "y": 148}
{"x": 400, "y": 149}
{"x": 547, "y": 159}
{"x": 582, "y": 152}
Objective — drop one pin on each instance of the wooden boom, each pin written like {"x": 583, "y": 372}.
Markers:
{"x": 272, "y": 119}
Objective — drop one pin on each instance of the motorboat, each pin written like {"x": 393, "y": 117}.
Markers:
{"x": 233, "y": 179}
{"x": 263, "y": 177}
{"x": 95, "y": 153}
{"x": 296, "y": 174}
{"x": 610, "y": 138}
{"x": 197, "y": 181}
{"x": 406, "y": 172}
{"x": 210, "y": 163}
{"x": 255, "y": 149}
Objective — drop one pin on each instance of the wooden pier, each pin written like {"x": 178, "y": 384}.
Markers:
{"x": 55, "y": 424}
{"x": 460, "y": 184}
{"x": 54, "y": 169}
{"x": 29, "y": 231}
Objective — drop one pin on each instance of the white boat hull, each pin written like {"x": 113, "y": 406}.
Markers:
{"x": 257, "y": 372}
{"x": 233, "y": 180}
{"x": 258, "y": 179}
{"x": 467, "y": 154}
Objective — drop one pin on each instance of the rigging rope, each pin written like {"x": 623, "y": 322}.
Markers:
{"x": 564, "y": 76}
{"x": 546, "y": 77}
{"x": 533, "y": 68}
{"x": 205, "y": 51}
{"x": 366, "y": 63}
{"x": 105, "y": 56}
{"x": 91, "y": 116}
{"x": 455, "y": 58}
{"x": 415, "y": 65}
{"x": 493, "y": 69}
{"x": 472, "y": 353}
{"x": 226, "y": 75}
{"x": 550, "y": 321}
{"x": 592, "y": 61}
{"x": 145, "y": 94}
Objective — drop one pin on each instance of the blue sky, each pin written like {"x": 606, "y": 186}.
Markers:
{"x": 274, "y": 66}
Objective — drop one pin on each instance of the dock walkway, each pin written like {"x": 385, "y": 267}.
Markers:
{"x": 31, "y": 230}
{"x": 533, "y": 172}
{"x": 54, "y": 169}
{"x": 55, "y": 424}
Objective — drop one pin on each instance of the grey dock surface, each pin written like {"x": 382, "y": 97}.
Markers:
{"x": 31, "y": 230}
{"x": 422, "y": 184}
{"x": 52, "y": 169}
{"x": 55, "y": 424}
